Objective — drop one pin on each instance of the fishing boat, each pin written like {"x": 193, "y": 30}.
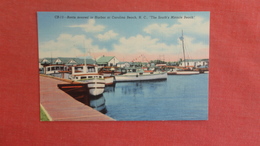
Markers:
{"x": 109, "y": 80}
{"x": 88, "y": 74}
{"x": 108, "y": 72}
{"x": 203, "y": 69}
{"x": 54, "y": 69}
{"x": 138, "y": 74}
{"x": 183, "y": 70}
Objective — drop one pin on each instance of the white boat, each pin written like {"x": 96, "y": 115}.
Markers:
{"x": 108, "y": 71}
{"x": 182, "y": 72}
{"x": 88, "y": 75}
{"x": 139, "y": 75}
{"x": 109, "y": 80}
{"x": 54, "y": 69}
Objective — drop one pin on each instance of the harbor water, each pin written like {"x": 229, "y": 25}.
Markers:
{"x": 180, "y": 97}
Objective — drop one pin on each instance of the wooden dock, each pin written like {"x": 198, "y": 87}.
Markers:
{"x": 59, "y": 106}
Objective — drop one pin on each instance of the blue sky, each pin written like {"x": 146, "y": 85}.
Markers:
{"x": 153, "y": 34}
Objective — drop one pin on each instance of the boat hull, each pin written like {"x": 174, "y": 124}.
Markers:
{"x": 109, "y": 80}
{"x": 138, "y": 77}
{"x": 96, "y": 86}
{"x": 96, "y": 91}
{"x": 77, "y": 91}
{"x": 187, "y": 72}
{"x": 171, "y": 73}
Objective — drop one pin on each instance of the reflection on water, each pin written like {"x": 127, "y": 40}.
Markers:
{"x": 110, "y": 88}
{"x": 140, "y": 88}
{"x": 96, "y": 102}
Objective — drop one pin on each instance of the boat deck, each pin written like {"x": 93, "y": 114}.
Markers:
{"x": 59, "y": 106}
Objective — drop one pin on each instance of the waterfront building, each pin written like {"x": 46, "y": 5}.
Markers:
{"x": 107, "y": 61}
{"x": 194, "y": 63}
{"x": 47, "y": 61}
{"x": 65, "y": 61}
{"x": 123, "y": 64}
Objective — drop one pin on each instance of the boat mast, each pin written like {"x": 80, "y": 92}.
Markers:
{"x": 182, "y": 40}
{"x": 85, "y": 58}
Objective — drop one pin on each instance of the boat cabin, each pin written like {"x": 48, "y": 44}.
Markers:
{"x": 53, "y": 69}
{"x": 87, "y": 77}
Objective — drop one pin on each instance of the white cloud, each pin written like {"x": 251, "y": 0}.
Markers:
{"x": 138, "y": 43}
{"x": 107, "y": 36}
{"x": 67, "y": 45}
{"x": 127, "y": 49}
{"x": 90, "y": 26}
{"x": 196, "y": 25}
{"x": 163, "y": 29}
{"x": 152, "y": 48}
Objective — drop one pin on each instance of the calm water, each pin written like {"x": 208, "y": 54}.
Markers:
{"x": 180, "y": 97}
{"x": 177, "y": 98}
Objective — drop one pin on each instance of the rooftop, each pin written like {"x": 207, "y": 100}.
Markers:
{"x": 104, "y": 59}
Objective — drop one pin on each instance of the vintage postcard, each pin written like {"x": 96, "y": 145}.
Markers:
{"x": 123, "y": 66}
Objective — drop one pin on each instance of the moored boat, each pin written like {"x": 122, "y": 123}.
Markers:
{"x": 87, "y": 74}
{"x": 185, "y": 70}
{"x": 136, "y": 74}
{"x": 174, "y": 70}
{"x": 108, "y": 71}
{"x": 203, "y": 69}
{"x": 109, "y": 80}
{"x": 54, "y": 69}
{"x": 182, "y": 72}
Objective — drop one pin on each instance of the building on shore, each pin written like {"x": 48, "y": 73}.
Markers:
{"x": 194, "y": 63}
{"x": 123, "y": 64}
{"x": 107, "y": 61}
{"x": 68, "y": 61}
